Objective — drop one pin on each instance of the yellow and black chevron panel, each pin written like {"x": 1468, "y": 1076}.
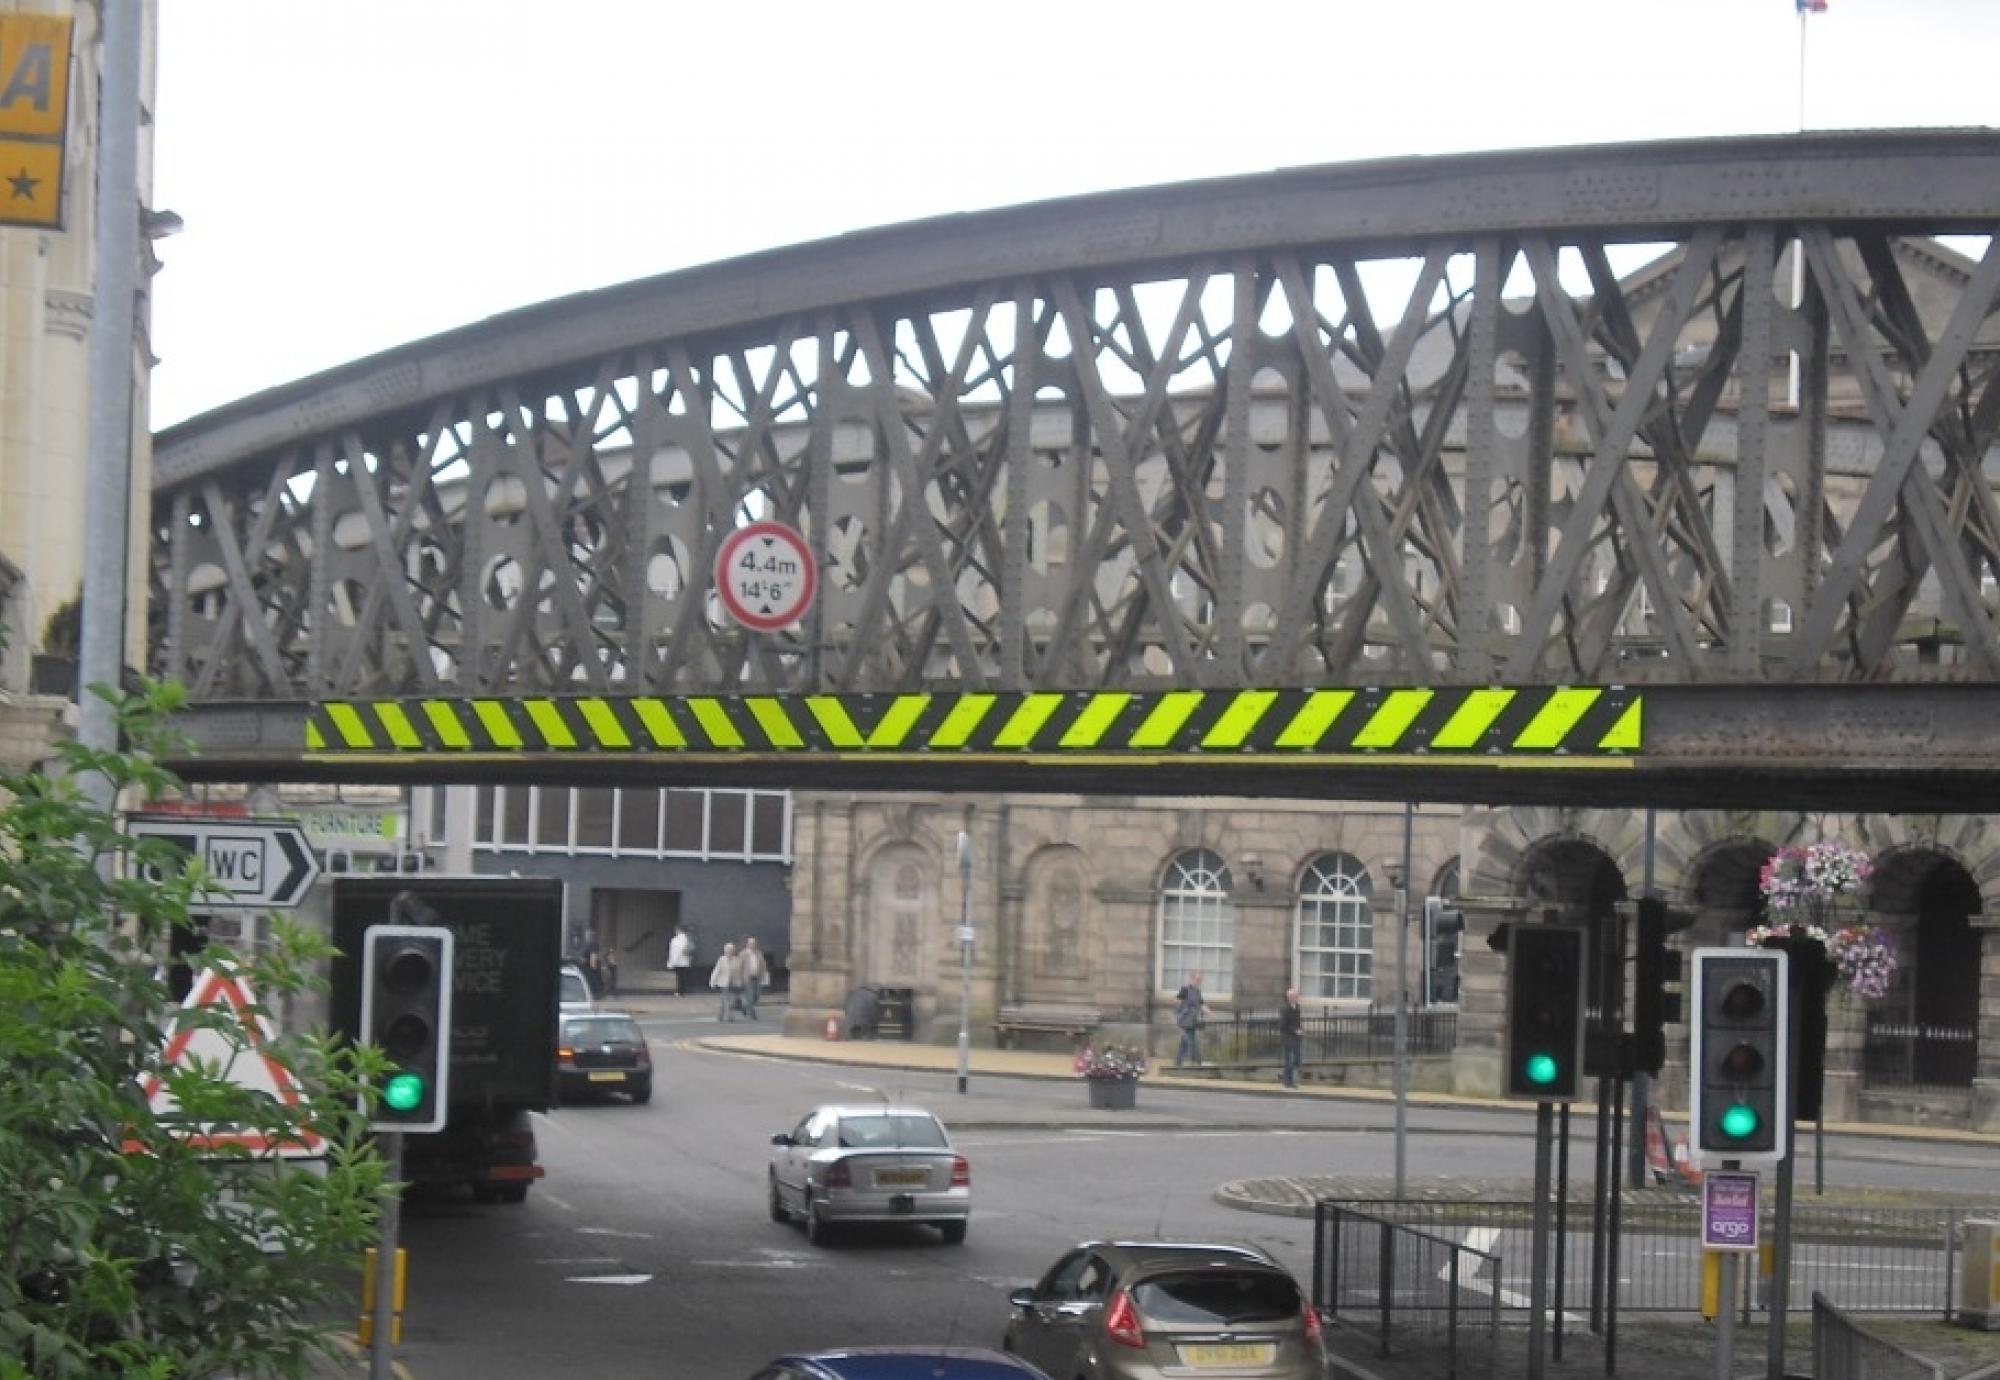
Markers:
{"x": 1545, "y": 724}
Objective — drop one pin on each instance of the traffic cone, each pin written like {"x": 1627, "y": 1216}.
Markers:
{"x": 833, "y": 1027}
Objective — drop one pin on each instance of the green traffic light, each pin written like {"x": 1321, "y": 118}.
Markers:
{"x": 1541, "y": 1069}
{"x": 1739, "y": 1121}
{"x": 402, "y": 1092}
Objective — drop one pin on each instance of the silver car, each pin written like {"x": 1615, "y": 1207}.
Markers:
{"x": 1147, "y": 1310}
{"x": 869, "y": 1164}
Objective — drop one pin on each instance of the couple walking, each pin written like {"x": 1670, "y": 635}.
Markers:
{"x": 739, "y": 979}
{"x": 1191, "y": 1014}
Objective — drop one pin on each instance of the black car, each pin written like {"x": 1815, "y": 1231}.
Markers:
{"x": 603, "y": 1052}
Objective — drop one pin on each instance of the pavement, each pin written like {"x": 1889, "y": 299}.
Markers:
{"x": 1042, "y": 1094}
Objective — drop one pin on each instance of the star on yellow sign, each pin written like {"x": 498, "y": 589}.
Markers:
{"x": 34, "y": 115}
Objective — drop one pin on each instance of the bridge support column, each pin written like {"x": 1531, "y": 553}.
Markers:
{"x": 1985, "y": 1110}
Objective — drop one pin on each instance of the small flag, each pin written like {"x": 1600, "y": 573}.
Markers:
{"x": 1812, "y": 6}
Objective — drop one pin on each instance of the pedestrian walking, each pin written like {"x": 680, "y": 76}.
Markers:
{"x": 680, "y": 960}
{"x": 755, "y": 971}
{"x": 1190, "y": 1012}
{"x": 593, "y": 963}
{"x": 1291, "y": 1038}
{"x": 611, "y": 970}
{"x": 726, "y": 977}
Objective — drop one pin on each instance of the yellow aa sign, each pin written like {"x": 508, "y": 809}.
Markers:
{"x": 34, "y": 116}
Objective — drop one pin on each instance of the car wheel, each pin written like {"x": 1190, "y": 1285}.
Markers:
{"x": 954, "y": 1232}
{"x": 642, "y": 1094}
{"x": 511, "y": 1193}
{"x": 778, "y": 1213}
{"x": 818, "y": 1230}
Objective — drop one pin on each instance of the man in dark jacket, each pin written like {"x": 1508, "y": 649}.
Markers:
{"x": 1291, "y": 1038}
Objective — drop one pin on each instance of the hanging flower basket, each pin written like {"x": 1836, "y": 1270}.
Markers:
{"x": 1802, "y": 887}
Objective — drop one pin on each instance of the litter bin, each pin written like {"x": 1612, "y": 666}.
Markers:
{"x": 893, "y": 1012}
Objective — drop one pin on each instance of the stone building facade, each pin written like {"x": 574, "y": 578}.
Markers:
{"x": 47, "y": 304}
{"x": 1101, "y": 906}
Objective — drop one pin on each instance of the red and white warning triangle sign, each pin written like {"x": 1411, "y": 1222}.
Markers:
{"x": 247, "y": 1067}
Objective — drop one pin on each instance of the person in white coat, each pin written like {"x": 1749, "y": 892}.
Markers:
{"x": 726, "y": 978}
{"x": 680, "y": 960}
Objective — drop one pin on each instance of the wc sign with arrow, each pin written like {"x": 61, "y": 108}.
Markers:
{"x": 253, "y": 864}
{"x": 765, "y": 576}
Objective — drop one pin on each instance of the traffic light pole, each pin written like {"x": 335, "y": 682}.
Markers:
{"x": 1725, "y": 1307}
{"x": 1538, "y": 1274}
{"x": 380, "y": 1355}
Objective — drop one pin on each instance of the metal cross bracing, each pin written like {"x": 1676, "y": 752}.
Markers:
{"x": 1524, "y": 420}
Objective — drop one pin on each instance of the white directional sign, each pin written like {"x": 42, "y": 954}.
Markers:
{"x": 253, "y": 864}
{"x": 765, "y": 576}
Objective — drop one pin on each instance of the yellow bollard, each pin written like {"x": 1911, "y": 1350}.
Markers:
{"x": 1711, "y": 1284}
{"x": 367, "y": 1329}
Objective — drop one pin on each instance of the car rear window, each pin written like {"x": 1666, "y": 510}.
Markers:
{"x": 574, "y": 988}
{"x": 913, "y": 1132}
{"x": 602, "y": 1030}
{"x": 1218, "y": 1297}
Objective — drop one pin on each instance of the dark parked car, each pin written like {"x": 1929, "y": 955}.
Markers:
{"x": 603, "y": 1052}
{"x": 900, "y": 1363}
{"x": 1147, "y": 1310}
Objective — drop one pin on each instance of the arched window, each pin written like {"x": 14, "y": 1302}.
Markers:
{"x": 1197, "y": 924}
{"x": 1336, "y": 930}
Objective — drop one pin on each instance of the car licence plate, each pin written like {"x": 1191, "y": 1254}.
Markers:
{"x": 1228, "y": 1353}
{"x": 612, "y": 1077}
{"x": 914, "y": 1177}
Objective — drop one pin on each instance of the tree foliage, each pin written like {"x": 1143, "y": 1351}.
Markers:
{"x": 124, "y": 1249}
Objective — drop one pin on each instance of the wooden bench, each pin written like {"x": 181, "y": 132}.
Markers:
{"x": 1020, "y": 1018}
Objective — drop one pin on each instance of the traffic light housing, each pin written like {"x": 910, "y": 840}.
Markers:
{"x": 406, "y": 973}
{"x": 1655, "y": 967}
{"x": 1738, "y": 1055}
{"x": 1444, "y": 923}
{"x": 1544, "y": 1016}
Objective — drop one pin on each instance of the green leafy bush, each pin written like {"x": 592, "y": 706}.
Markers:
{"x": 125, "y": 1250}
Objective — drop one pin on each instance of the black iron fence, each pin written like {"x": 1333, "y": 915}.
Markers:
{"x": 1873, "y": 1260}
{"x": 1900, "y": 1053}
{"x": 1842, "y": 1350}
{"x": 1408, "y": 1289}
{"x": 1251, "y": 1037}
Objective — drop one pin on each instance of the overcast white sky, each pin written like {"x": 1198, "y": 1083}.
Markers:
{"x": 355, "y": 174}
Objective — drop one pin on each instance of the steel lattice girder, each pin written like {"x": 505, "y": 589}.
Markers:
{"x": 1430, "y": 423}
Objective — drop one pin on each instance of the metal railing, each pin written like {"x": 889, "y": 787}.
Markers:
{"x": 1874, "y": 1260}
{"x": 1843, "y": 1350}
{"x": 1899, "y": 1053}
{"x": 1251, "y": 1037}
{"x": 1409, "y": 1289}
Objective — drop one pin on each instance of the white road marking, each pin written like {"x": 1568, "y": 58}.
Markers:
{"x": 613, "y": 1231}
{"x": 1484, "y": 1239}
{"x": 547, "y": 1197}
{"x": 786, "y": 1263}
{"x": 608, "y": 1279}
{"x": 574, "y": 1260}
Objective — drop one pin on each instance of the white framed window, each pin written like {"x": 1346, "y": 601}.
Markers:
{"x": 1197, "y": 924}
{"x": 1335, "y": 928}
{"x": 714, "y": 826}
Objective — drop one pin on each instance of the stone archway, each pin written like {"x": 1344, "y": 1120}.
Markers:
{"x": 1923, "y": 1035}
{"x": 903, "y": 898}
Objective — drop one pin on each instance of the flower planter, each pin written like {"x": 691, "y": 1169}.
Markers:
{"x": 1114, "y": 1094}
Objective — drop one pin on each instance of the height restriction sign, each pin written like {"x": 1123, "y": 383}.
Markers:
{"x": 765, "y": 576}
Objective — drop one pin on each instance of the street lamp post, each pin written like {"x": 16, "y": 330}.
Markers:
{"x": 964, "y": 958}
{"x": 1399, "y": 878}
